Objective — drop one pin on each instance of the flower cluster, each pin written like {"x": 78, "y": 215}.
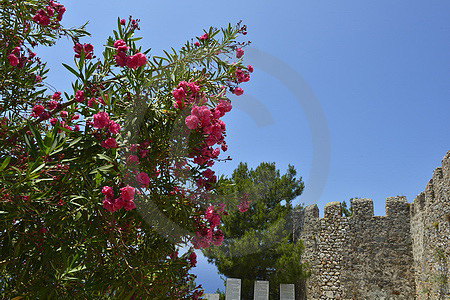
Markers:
{"x": 87, "y": 48}
{"x": 185, "y": 93}
{"x": 139, "y": 179}
{"x": 193, "y": 259}
{"x": 125, "y": 200}
{"x": 204, "y": 37}
{"x": 239, "y": 52}
{"x": 16, "y": 58}
{"x": 242, "y": 76}
{"x": 101, "y": 121}
{"x": 205, "y": 236}
{"x": 52, "y": 11}
{"x": 132, "y": 61}
{"x": 207, "y": 121}
{"x": 12, "y": 58}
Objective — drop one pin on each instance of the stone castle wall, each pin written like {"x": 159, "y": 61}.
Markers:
{"x": 403, "y": 255}
{"x": 430, "y": 232}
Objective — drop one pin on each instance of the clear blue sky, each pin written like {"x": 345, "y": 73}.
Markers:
{"x": 379, "y": 71}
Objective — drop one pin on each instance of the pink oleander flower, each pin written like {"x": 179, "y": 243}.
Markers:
{"x": 78, "y": 48}
{"x": 91, "y": 102}
{"x": 38, "y": 78}
{"x": 143, "y": 179}
{"x": 108, "y": 191}
{"x": 134, "y": 147}
{"x": 13, "y": 60}
{"x": 119, "y": 43}
{"x": 214, "y": 220}
{"x": 209, "y": 212}
{"x": 114, "y": 128}
{"x": 61, "y": 12}
{"x": 100, "y": 99}
{"x": 118, "y": 203}
{"x": 63, "y": 114}
{"x": 53, "y": 121}
{"x": 194, "y": 88}
{"x": 88, "y": 48}
{"x": 127, "y": 193}
{"x": 50, "y": 11}
{"x": 238, "y": 91}
{"x": 131, "y": 159}
{"x": 56, "y": 96}
{"x": 51, "y": 105}
{"x": 41, "y": 18}
{"x": 217, "y": 238}
{"x": 197, "y": 44}
{"x": 122, "y": 22}
{"x": 76, "y": 128}
{"x": 129, "y": 205}
{"x": 203, "y": 113}
{"x": 121, "y": 47}
{"x": 121, "y": 59}
{"x": 208, "y": 173}
{"x": 137, "y": 60}
{"x": 179, "y": 94}
{"x": 193, "y": 259}
{"x": 192, "y": 122}
{"x": 38, "y": 110}
{"x": 110, "y": 143}
{"x": 79, "y": 96}
{"x": 101, "y": 120}
{"x": 250, "y": 68}
{"x": 204, "y": 37}
{"x": 239, "y": 52}
{"x": 108, "y": 204}
{"x": 242, "y": 76}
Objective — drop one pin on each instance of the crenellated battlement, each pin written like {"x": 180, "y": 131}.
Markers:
{"x": 333, "y": 210}
{"x": 380, "y": 257}
{"x": 396, "y": 207}
{"x": 311, "y": 212}
{"x": 362, "y": 208}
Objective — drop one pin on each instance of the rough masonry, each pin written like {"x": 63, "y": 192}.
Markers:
{"x": 403, "y": 255}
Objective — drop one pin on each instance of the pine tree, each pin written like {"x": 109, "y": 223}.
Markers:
{"x": 259, "y": 243}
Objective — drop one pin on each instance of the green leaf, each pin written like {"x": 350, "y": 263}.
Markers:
{"x": 105, "y": 157}
{"x": 98, "y": 179}
{"x": 36, "y": 167}
{"x": 5, "y": 163}
{"x": 75, "y": 141}
{"x": 71, "y": 70}
{"x": 37, "y": 136}
{"x": 103, "y": 169}
{"x": 80, "y": 63}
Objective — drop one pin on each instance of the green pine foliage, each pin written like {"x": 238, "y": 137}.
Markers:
{"x": 259, "y": 243}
